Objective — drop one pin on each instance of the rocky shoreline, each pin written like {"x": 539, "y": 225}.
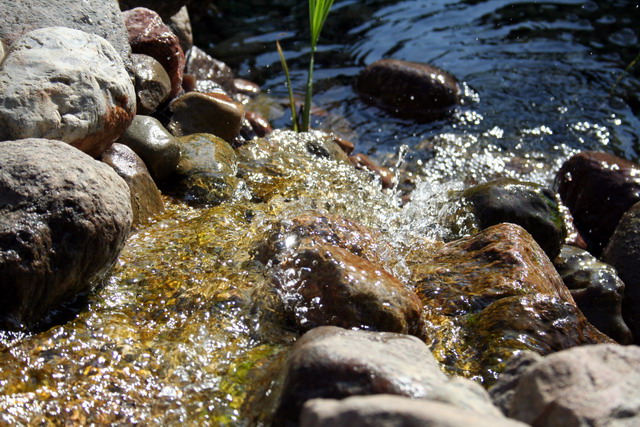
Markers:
{"x": 525, "y": 313}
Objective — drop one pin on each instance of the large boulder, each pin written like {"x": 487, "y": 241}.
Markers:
{"x": 583, "y": 386}
{"x": 408, "y": 89}
{"x": 99, "y": 17}
{"x": 330, "y": 362}
{"x": 623, "y": 253}
{"x": 492, "y": 295}
{"x": 149, "y": 35}
{"x": 390, "y": 410}
{"x": 597, "y": 289}
{"x": 64, "y": 84}
{"x": 598, "y": 188}
{"x": 64, "y": 218}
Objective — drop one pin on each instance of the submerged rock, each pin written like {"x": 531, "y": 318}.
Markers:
{"x": 408, "y": 89}
{"x": 330, "y": 362}
{"x": 159, "y": 150}
{"x": 146, "y": 200}
{"x": 597, "y": 289}
{"x": 362, "y": 161}
{"x": 390, "y": 410}
{"x": 527, "y": 204}
{"x": 150, "y": 36}
{"x": 583, "y": 386}
{"x": 152, "y": 83}
{"x": 493, "y": 294}
{"x": 64, "y": 84}
{"x": 623, "y": 253}
{"x": 207, "y": 170}
{"x": 201, "y": 113}
{"x": 102, "y": 18}
{"x": 598, "y": 188}
{"x": 64, "y": 218}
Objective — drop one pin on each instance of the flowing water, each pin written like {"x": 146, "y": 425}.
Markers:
{"x": 186, "y": 328}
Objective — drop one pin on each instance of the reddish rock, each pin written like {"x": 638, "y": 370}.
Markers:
{"x": 598, "y": 188}
{"x": 346, "y": 145}
{"x": 259, "y": 125}
{"x": 246, "y": 87}
{"x": 150, "y": 36}
{"x": 362, "y": 161}
{"x": 205, "y": 67}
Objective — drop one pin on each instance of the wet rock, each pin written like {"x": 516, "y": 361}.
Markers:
{"x": 502, "y": 391}
{"x": 165, "y": 8}
{"x": 60, "y": 83}
{"x": 493, "y": 294}
{"x": 335, "y": 363}
{"x": 346, "y": 145}
{"x": 152, "y": 83}
{"x": 597, "y": 289}
{"x": 623, "y": 253}
{"x": 393, "y": 410}
{"x": 205, "y": 67}
{"x": 527, "y": 204}
{"x": 146, "y": 200}
{"x": 159, "y": 150}
{"x": 583, "y": 386}
{"x": 364, "y": 162}
{"x": 207, "y": 170}
{"x": 180, "y": 25}
{"x": 408, "y": 89}
{"x": 598, "y": 188}
{"x": 150, "y": 36}
{"x": 64, "y": 218}
{"x": 2, "y": 51}
{"x": 102, "y": 18}
{"x": 245, "y": 87}
{"x": 259, "y": 125}
{"x": 200, "y": 113}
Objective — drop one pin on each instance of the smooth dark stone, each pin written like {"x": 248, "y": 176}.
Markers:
{"x": 205, "y": 67}
{"x": 151, "y": 81}
{"x": 502, "y": 391}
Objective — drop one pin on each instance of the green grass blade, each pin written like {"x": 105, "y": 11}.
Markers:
{"x": 292, "y": 104}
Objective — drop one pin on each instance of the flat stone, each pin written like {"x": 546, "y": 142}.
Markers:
{"x": 159, "y": 150}
{"x": 200, "y": 113}
{"x": 389, "y": 410}
{"x": 146, "y": 200}
{"x": 64, "y": 218}
{"x": 152, "y": 83}
{"x": 150, "y": 36}
{"x": 60, "y": 83}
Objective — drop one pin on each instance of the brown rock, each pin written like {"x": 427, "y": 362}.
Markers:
{"x": 146, "y": 200}
{"x": 362, "y": 161}
{"x": 598, "y": 188}
{"x": 205, "y": 67}
{"x": 152, "y": 83}
{"x": 246, "y": 87}
{"x": 346, "y": 145}
{"x": 258, "y": 123}
{"x": 150, "y": 36}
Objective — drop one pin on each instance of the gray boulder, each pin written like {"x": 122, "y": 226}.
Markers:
{"x": 64, "y": 84}
{"x": 394, "y": 411}
{"x": 583, "y": 386}
{"x": 330, "y": 362}
{"x": 100, "y": 17}
{"x": 64, "y": 218}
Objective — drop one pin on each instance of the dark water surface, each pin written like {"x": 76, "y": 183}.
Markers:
{"x": 539, "y": 76}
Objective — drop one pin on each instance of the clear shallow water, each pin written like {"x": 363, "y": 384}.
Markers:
{"x": 538, "y": 77}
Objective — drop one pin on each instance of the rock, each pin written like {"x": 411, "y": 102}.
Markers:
{"x": 623, "y": 253}
{"x": 259, "y": 125}
{"x": 598, "y": 188}
{"x": 165, "y": 8}
{"x": 346, "y": 145}
{"x": 364, "y": 162}
{"x": 330, "y": 362}
{"x": 152, "y": 83}
{"x": 389, "y": 410}
{"x": 146, "y": 200}
{"x": 527, "y": 204}
{"x": 502, "y": 391}
{"x": 159, "y": 150}
{"x": 245, "y": 87}
{"x": 205, "y": 67}
{"x": 150, "y": 36}
{"x": 597, "y": 289}
{"x": 207, "y": 170}
{"x": 180, "y": 25}
{"x": 2, "y": 51}
{"x": 583, "y": 386}
{"x": 102, "y": 18}
{"x": 200, "y": 113}
{"x": 64, "y": 218}
{"x": 408, "y": 89}
{"x": 59, "y": 83}
{"x": 493, "y": 294}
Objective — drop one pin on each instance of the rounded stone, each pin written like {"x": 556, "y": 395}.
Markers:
{"x": 151, "y": 81}
{"x": 64, "y": 218}
{"x": 60, "y": 83}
